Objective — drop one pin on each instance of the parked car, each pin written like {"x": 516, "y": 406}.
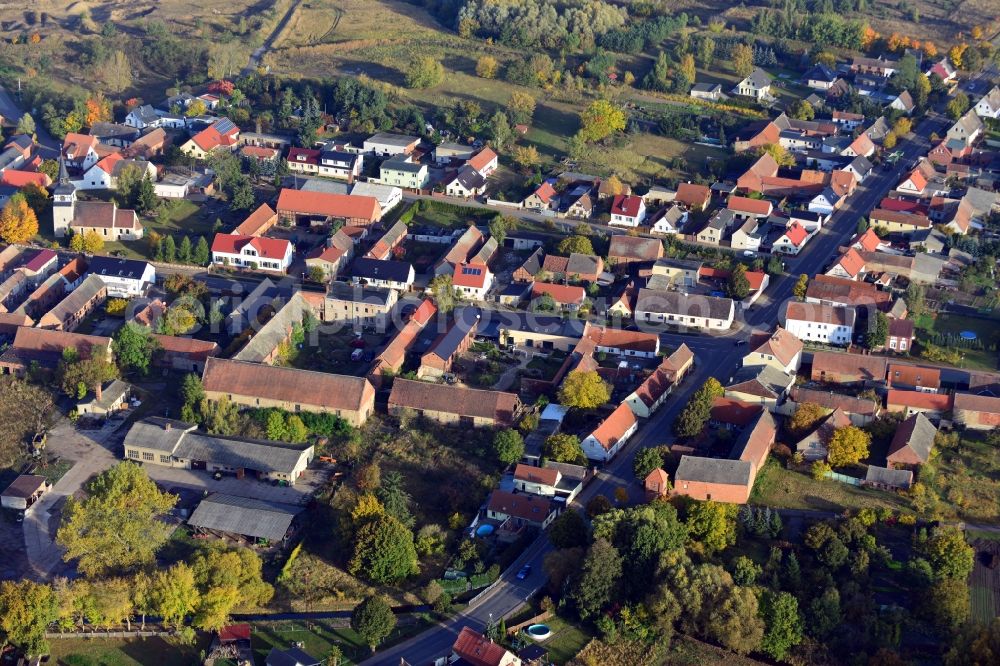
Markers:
{"x": 524, "y": 572}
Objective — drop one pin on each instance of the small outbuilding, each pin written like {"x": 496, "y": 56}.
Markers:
{"x": 24, "y": 491}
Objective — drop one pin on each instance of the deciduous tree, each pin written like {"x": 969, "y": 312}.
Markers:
{"x": 848, "y": 446}
{"x": 878, "y": 331}
{"x": 576, "y": 243}
{"x": 173, "y": 594}
{"x": 600, "y": 120}
{"x": 738, "y": 286}
{"x": 806, "y": 417}
{"x": 584, "y": 390}
{"x": 87, "y": 373}
{"x": 373, "y": 620}
{"x": 800, "y": 288}
{"x": 521, "y": 107}
{"x": 526, "y": 156}
{"x": 116, "y": 72}
{"x": 383, "y": 551}
{"x": 508, "y": 446}
{"x": 26, "y": 609}
{"x": 117, "y": 527}
{"x": 486, "y": 67}
{"x": 18, "y": 222}
{"x": 646, "y": 460}
{"x": 780, "y": 612}
{"x": 26, "y": 125}
{"x": 134, "y": 347}
{"x": 443, "y": 292}
{"x": 569, "y": 530}
{"x": 424, "y": 72}
{"x": 712, "y": 525}
{"x": 563, "y": 447}
{"x": 949, "y": 554}
{"x": 25, "y": 409}
{"x": 599, "y": 581}
{"x": 742, "y": 57}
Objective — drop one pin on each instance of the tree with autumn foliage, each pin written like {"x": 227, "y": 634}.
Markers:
{"x": 779, "y": 153}
{"x": 98, "y": 110}
{"x": 18, "y": 222}
{"x": 956, "y": 53}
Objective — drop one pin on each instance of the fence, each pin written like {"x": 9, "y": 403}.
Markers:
{"x": 108, "y": 634}
{"x": 544, "y": 615}
{"x": 843, "y": 478}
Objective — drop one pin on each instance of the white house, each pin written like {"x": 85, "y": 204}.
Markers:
{"x": 104, "y": 174}
{"x": 467, "y": 183}
{"x": 859, "y": 167}
{"x": 611, "y": 435}
{"x": 710, "y": 91}
{"x": 684, "y": 310}
{"x": 670, "y": 220}
{"x": 143, "y": 116}
{"x": 989, "y": 105}
{"x": 401, "y": 171}
{"x": 782, "y": 350}
{"x": 385, "y": 144}
{"x": 810, "y": 221}
{"x": 820, "y": 77}
{"x": 472, "y": 280}
{"x": 627, "y": 211}
{"x": 825, "y": 202}
{"x": 252, "y": 252}
{"x": 756, "y": 85}
{"x": 827, "y": 324}
{"x": 80, "y": 150}
{"x": 388, "y": 196}
{"x": 792, "y": 241}
{"x": 446, "y": 152}
{"x": 386, "y": 273}
{"x": 124, "y": 278}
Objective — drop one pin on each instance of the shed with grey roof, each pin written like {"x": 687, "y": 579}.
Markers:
{"x": 244, "y": 516}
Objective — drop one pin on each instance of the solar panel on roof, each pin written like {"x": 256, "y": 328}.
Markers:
{"x": 472, "y": 271}
{"x": 224, "y": 125}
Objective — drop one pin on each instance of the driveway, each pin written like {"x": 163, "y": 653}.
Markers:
{"x": 202, "y": 483}
{"x": 92, "y": 452}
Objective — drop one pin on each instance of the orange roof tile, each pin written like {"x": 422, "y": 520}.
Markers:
{"x": 330, "y": 205}
{"x": 613, "y": 428}
{"x": 564, "y": 294}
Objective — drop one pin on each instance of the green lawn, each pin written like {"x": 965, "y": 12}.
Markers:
{"x": 117, "y": 652}
{"x": 317, "y": 639}
{"x": 782, "y": 488}
{"x": 567, "y": 639}
{"x": 449, "y": 216}
{"x": 951, "y": 325}
{"x": 966, "y": 479}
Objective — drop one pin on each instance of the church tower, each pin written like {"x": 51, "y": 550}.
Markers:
{"x": 63, "y": 202}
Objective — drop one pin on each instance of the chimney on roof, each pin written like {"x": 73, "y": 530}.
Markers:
{"x": 167, "y": 426}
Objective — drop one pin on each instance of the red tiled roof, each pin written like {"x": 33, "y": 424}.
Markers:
{"x": 898, "y": 217}
{"x": 815, "y": 312}
{"x": 842, "y": 182}
{"x": 869, "y": 241}
{"x": 605, "y": 336}
{"x": 259, "y": 152}
{"x": 903, "y": 205}
{"x": 734, "y": 412}
{"x": 482, "y": 158}
{"x": 938, "y": 402}
{"x": 796, "y": 234}
{"x": 782, "y": 345}
{"x": 424, "y": 312}
{"x": 257, "y": 222}
{"x": 345, "y": 206}
{"x": 564, "y": 294}
{"x": 470, "y": 275}
{"x": 851, "y": 262}
{"x": 545, "y": 192}
{"x": 19, "y": 179}
{"x": 838, "y": 366}
{"x": 496, "y": 405}
{"x": 191, "y": 347}
{"x": 267, "y": 248}
{"x": 211, "y": 138}
{"x": 627, "y": 206}
{"x": 862, "y": 145}
{"x": 478, "y": 650}
{"x": 691, "y": 194}
{"x": 78, "y": 144}
{"x": 913, "y": 375}
{"x": 303, "y": 156}
{"x": 613, "y": 428}
{"x": 544, "y": 475}
{"x": 917, "y": 179}
{"x": 740, "y": 204}
{"x": 328, "y": 254}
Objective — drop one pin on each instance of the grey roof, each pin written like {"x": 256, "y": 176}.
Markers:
{"x": 276, "y": 331}
{"x": 861, "y": 164}
{"x": 77, "y": 298}
{"x": 131, "y": 269}
{"x": 402, "y": 163}
{"x": 469, "y": 178}
{"x": 674, "y": 302}
{"x": 898, "y": 478}
{"x": 325, "y": 185}
{"x": 773, "y": 381}
{"x": 338, "y": 157}
{"x": 146, "y": 113}
{"x": 820, "y": 72}
{"x": 109, "y": 394}
{"x": 982, "y": 201}
{"x": 898, "y": 308}
{"x": 113, "y": 130}
{"x": 381, "y": 269}
{"x": 532, "y": 322}
{"x": 181, "y": 440}
{"x": 581, "y": 264}
{"x": 706, "y": 87}
{"x": 292, "y": 657}
{"x": 721, "y": 219}
{"x": 343, "y": 291}
{"x": 390, "y": 139}
{"x": 466, "y": 319}
{"x": 533, "y": 263}
{"x": 157, "y": 433}
{"x": 758, "y": 78}
{"x": 683, "y": 264}
{"x": 486, "y": 252}
{"x": 917, "y": 434}
{"x": 878, "y": 129}
{"x": 244, "y": 516}
{"x": 713, "y": 470}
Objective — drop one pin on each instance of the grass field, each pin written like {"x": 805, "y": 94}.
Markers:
{"x": 118, "y": 652}
{"x": 317, "y": 639}
{"x": 988, "y": 331}
{"x": 967, "y": 480}
{"x": 566, "y": 640}
{"x": 782, "y": 488}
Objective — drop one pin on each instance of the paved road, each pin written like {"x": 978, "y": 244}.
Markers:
{"x": 715, "y": 357}
{"x": 50, "y": 147}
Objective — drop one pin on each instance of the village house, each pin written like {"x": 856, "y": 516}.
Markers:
{"x": 820, "y": 77}
{"x": 827, "y": 324}
{"x": 222, "y": 135}
{"x": 574, "y": 268}
{"x": 966, "y": 129}
{"x": 75, "y": 307}
{"x": 792, "y": 240}
{"x": 170, "y": 443}
{"x": 781, "y": 350}
{"x": 679, "y": 272}
{"x": 611, "y": 435}
{"x": 401, "y": 171}
{"x": 931, "y": 405}
{"x": 651, "y": 394}
{"x": 323, "y": 208}
{"x": 899, "y": 221}
{"x": 763, "y": 385}
{"x": 861, "y": 411}
{"x": 552, "y": 479}
{"x": 114, "y": 134}
{"x": 626, "y": 250}
{"x": 756, "y": 85}
{"x": 454, "y": 405}
{"x": 694, "y": 197}
{"x": 386, "y": 144}
{"x": 670, "y": 220}
{"x": 252, "y": 252}
{"x": 542, "y": 198}
{"x": 728, "y": 480}
{"x": 900, "y": 335}
{"x": 913, "y": 377}
{"x": 912, "y": 444}
{"x": 258, "y": 385}
{"x": 183, "y": 353}
{"x": 44, "y": 347}
{"x": 843, "y": 368}
{"x": 708, "y": 91}
{"x": 124, "y": 278}
{"x": 472, "y": 280}
{"x": 814, "y": 445}
{"x": 455, "y": 340}
{"x": 368, "y": 307}
{"x": 627, "y": 211}
{"x": 976, "y": 412}
{"x": 385, "y": 273}
{"x": 391, "y": 359}
{"x": 463, "y": 250}
{"x": 79, "y": 151}
{"x": 466, "y": 183}
{"x": 105, "y": 173}
{"x": 684, "y": 310}
{"x": 988, "y": 105}
{"x": 745, "y": 207}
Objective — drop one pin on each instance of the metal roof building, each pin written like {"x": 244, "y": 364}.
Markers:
{"x": 244, "y": 516}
